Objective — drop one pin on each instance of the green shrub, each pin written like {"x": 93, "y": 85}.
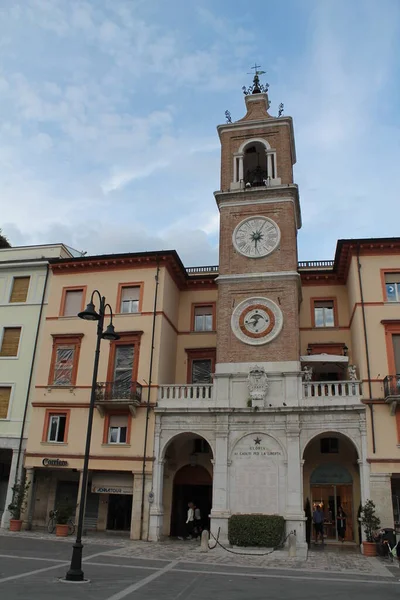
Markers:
{"x": 256, "y": 530}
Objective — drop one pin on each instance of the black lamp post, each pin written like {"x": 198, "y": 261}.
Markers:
{"x": 75, "y": 572}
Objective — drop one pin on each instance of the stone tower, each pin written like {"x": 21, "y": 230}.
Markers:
{"x": 259, "y": 287}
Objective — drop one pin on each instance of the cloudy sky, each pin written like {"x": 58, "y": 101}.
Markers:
{"x": 108, "y": 110}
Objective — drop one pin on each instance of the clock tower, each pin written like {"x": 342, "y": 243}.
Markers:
{"x": 259, "y": 286}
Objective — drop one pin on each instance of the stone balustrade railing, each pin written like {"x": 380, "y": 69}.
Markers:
{"x": 201, "y": 391}
{"x": 331, "y": 389}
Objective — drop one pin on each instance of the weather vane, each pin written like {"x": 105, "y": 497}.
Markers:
{"x": 281, "y": 109}
{"x": 228, "y": 116}
{"x": 257, "y": 87}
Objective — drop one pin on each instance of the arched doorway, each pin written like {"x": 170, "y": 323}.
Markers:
{"x": 191, "y": 484}
{"x": 188, "y": 476}
{"x": 331, "y": 479}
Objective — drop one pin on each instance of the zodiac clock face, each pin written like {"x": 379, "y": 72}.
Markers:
{"x": 257, "y": 321}
{"x": 256, "y": 237}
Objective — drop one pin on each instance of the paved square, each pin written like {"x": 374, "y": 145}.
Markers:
{"x": 32, "y": 564}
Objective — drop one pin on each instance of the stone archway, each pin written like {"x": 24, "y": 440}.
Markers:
{"x": 331, "y": 478}
{"x": 182, "y": 473}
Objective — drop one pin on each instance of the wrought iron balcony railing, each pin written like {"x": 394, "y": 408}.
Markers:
{"x": 391, "y": 385}
{"x": 109, "y": 391}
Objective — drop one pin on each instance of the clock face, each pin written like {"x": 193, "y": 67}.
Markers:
{"x": 257, "y": 321}
{"x": 256, "y": 237}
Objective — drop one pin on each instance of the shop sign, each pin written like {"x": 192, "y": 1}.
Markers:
{"x": 54, "y": 462}
{"x": 111, "y": 490}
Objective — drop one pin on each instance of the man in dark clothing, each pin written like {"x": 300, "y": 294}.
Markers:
{"x": 318, "y": 519}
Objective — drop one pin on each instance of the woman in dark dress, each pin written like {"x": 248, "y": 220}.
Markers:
{"x": 341, "y": 523}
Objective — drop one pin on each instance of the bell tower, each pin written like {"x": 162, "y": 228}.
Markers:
{"x": 259, "y": 286}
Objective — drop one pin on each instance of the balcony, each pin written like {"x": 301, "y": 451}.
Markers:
{"x": 331, "y": 393}
{"x": 391, "y": 389}
{"x": 114, "y": 395}
{"x": 185, "y": 396}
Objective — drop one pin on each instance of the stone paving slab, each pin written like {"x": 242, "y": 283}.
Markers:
{"x": 327, "y": 559}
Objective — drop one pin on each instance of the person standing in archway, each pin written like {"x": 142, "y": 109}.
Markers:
{"x": 341, "y": 523}
{"x": 190, "y": 521}
{"x": 318, "y": 520}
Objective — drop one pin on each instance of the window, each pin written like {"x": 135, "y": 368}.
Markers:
{"x": 5, "y": 395}
{"x": 392, "y": 284}
{"x": 329, "y": 446}
{"x": 200, "y": 365}
{"x": 324, "y": 313}
{"x": 396, "y": 352}
{"x": 72, "y": 302}
{"x": 57, "y": 428}
{"x": 123, "y": 366}
{"x": 201, "y": 370}
{"x": 10, "y": 341}
{"x": 19, "y": 292}
{"x": 130, "y": 296}
{"x": 64, "y": 362}
{"x": 203, "y": 318}
{"x": 118, "y": 429}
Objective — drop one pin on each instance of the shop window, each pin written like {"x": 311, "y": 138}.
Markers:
{"x": 10, "y": 341}
{"x": 329, "y": 445}
{"x": 20, "y": 287}
{"x": 203, "y": 318}
{"x": 392, "y": 285}
{"x": 118, "y": 429}
{"x": 129, "y": 299}
{"x": 64, "y": 363}
{"x": 57, "y": 428}
{"x": 324, "y": 313}
{"x": 5, "y": 395}
{"x": 72, "y": 302}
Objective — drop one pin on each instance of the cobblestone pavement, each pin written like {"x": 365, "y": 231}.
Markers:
{"x": 328, "y": 559}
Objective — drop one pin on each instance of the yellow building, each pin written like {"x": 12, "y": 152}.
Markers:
{"x": 251, "y": 387}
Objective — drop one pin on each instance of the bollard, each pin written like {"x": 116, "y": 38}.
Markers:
{"x": 292, "y": 546}
{"x": 205, "y": 536}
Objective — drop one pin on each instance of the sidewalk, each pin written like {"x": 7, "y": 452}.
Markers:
{"x": 329, "y": 559}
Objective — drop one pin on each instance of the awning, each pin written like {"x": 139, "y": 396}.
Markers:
{"x": 324, "y": 358}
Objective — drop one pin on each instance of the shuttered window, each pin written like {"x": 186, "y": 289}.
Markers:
{"x": 64, "y": 365}
{"x": 5, "y": 394}
{"x": 201, "y": 370}
{"x": 203, "y": 318}
{"x": 130, "y": 299}
{"x": 19, "y": 292}
{"x": 73, "y": 303}
{"x": 396, "y": 351}
{"x": 10, "y": 341}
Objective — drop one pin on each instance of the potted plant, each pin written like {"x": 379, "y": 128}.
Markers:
{"x": 18, "y": 504}
{"x": 370, "y": 523}
{"x": 64, "y": 513}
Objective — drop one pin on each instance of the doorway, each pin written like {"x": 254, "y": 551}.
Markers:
{"x": 330, "y": 498}
{"x": 119, "y": 513}
{"x": 191, "y": 484}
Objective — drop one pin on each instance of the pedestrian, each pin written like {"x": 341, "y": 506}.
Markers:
{"x": 341, "y": 524}
{"x": 197, "y": 521}
{"x": 190, "y": 521}
{"x": 318, "y": 520}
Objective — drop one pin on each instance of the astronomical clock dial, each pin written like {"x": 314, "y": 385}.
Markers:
{"x": 257, "y": 321}
{"x": 256, "y": 237}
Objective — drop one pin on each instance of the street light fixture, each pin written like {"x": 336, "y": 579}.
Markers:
{"x": 75, "y": 572}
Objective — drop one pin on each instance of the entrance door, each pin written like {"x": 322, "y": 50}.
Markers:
{"x": 191, "y": 484}
{"x": 67, "y": 495}
{"x": 330, "y": 498}
{"x": 119, "y": 512}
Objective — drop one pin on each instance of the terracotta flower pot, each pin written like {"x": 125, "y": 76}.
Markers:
{"x": 369, "y": 549}
{"x": 15, "y": 524}
{"x": 61, "y": 530}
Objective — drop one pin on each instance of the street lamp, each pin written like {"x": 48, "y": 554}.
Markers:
{"x": 75, "y": 572}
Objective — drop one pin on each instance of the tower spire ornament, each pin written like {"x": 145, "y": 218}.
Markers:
{"x": 257, "y": 87}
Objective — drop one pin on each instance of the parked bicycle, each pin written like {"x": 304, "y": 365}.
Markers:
{"x": 51, "y": 525}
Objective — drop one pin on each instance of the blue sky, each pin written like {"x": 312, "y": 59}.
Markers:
{"x": 108, "y": 114}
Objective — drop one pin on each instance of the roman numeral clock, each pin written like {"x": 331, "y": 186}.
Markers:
{"x": 256, "y": 320}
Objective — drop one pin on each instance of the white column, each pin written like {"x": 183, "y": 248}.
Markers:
{"x": 157, "y": 509}
{"x": 5, "y": 520}
{"x": 269, "y": 165}
{"x": 26, "y": 517}
{"x": 241, "y": 168}
{"x": 381, "y": 494}
{"x": 295, "y": 518}
{"x": 220, "y": 512}
{"x": 362, "y": 462}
